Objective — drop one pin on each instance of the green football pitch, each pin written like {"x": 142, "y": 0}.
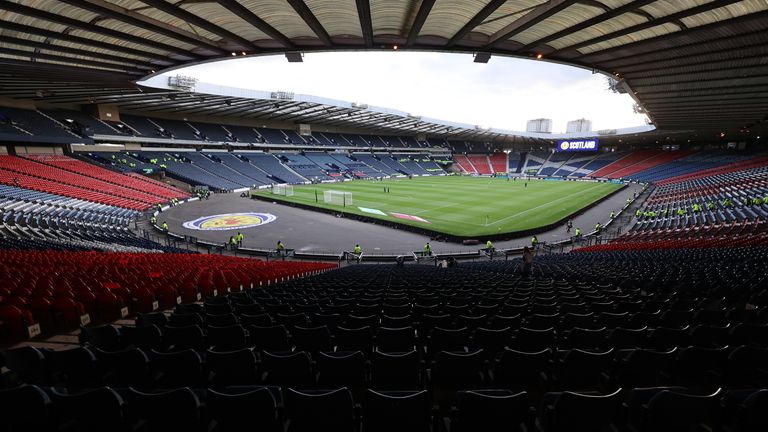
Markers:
{"x": 459, "y": 206}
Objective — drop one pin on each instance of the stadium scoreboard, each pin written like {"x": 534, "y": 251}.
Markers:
{"x": 583, "y": 145}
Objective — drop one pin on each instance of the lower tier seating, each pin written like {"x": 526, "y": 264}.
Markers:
{"x": 58, "y": 289}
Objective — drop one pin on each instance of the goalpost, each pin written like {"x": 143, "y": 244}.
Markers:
{"x": 282, "y": 189}
{"x": 337, "y": 197}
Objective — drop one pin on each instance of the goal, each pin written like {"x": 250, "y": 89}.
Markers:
{"x": 337, "y": 197}
{"x": 282, "y": 189}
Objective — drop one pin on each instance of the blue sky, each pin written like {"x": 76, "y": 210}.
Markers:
{"x": 503, "y": 93}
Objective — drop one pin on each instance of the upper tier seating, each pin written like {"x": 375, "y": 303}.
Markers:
{"x": 178, "y": 129}
{"x": 213, "y": 132}
{"x": 31, "y": 122}
{"x": 81, "y": 123}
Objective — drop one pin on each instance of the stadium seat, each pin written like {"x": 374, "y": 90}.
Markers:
{"x": 492, "y": 411}
{"x": 25, "y": 408}
{"x": 320, "y": 410}
{"x": 229, "y": 410}
{"x": 151, "y": 412}
{"x": 288, "y": 369}
{"x": 405, "y": 411}
{"x": 94, "y": 410}
{"x": 237, "y": 367}
{"x": 568, "y": 411}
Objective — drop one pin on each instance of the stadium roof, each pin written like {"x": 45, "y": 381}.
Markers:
{"x": 692, "y": 64}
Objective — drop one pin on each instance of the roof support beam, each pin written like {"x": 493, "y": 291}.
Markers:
{"x": 48, "y": 16}
{"x": 366, "y": 25}
{"x": 476, "y": 20}
{"x": 537, "y": 15}
{"x": 635, "y": 28}
{"x": 75, "y": 51}
{"x": 756, "y": 87}
{"x": 642, "y": 60}
{"x": 251, "y": 18}
{"x": 81, "y": 41}
{"x": 101, "y": 65}
{"x": 629, "y": 7}
{"x": 306, "y": 14}
{"x": 136, "y": 19}
{"x": 191, "y": 18}
{"x": 418, "y": 22}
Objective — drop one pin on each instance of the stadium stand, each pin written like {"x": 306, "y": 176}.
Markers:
{"x": 499, "y": 162}
{"x": 233, "y": 162}
{"x": 356, "y": 166}
{"x": 411, "y": 166}
{"x": 480, "y": 163}
{"x": 554, "y": 163}
{"x": 464, "y": 164}
{"x": 186, "y": 171}
{"x": 272, "y": 165}
{"x": 272, "y": 136}
{"x": 206, "y": 162}
{"x": 57, "y": 288}
{"x": 46, "y": 178}
{"x": 80, "y": 123}
{"x": 534, "y": 160}
{"x": 648, "y": 163}
{"x": 625, "y": 163}
{"x": 85, "y": 169}
{"x": 31, "y": 122}
{"x": 243, "y": 134}
{"x": 722, "y": 201}
{"x": 212, "y": 132}
{"x": 304, "y": 166}
{"x": 375, "y": 162}
{"x": 177, "y": 129}
{"x": 688, "y": 164}
{"x": 144, "y": 126}
{"x": 573, "y": 335}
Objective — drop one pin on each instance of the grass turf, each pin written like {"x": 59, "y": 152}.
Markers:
{"x": 461, "y": 206}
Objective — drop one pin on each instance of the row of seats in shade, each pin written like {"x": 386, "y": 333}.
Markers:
{"x": 275, "y": 409}
{"x": 365, "y": 338}
{"x": 510, "y": 369}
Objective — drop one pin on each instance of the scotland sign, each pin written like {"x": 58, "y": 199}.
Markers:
{"x": 577, "y": 145}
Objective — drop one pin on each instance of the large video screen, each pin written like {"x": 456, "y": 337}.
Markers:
{"x": 581, "y": 145}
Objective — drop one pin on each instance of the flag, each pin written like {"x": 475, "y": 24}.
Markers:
{"x": 372, "y": 211}
{"x": 409, "y": 217}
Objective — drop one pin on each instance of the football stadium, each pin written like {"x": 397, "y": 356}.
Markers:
{"x": 179, "y": 254}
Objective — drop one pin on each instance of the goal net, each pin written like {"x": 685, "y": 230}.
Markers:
{"x": 337, "y": 197}
{"x": 282, "y": 189}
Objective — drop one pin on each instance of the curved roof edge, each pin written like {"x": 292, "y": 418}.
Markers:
{"x": 317, "y": 102}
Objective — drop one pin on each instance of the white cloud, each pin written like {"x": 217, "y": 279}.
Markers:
{"x": 503, "y": 93}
